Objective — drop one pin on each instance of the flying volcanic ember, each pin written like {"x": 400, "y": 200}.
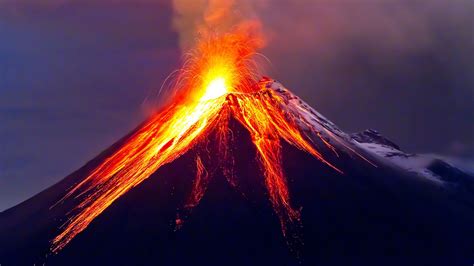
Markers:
{"x": 218, "y": 82}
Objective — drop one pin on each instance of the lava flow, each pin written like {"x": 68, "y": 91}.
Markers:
{"x": 217, "y": 82}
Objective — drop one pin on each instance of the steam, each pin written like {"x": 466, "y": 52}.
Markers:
{"x": 196, "y": 17}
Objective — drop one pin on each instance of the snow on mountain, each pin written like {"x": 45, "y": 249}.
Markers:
{"x": 317, "y": 120}
{"x": 446, "y": 171}
{"x": 442, "y": 170}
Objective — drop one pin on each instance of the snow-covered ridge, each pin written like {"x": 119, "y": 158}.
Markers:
{"x": 322, "y": 132}
{"x": 294, "y": 102}
{"x": 439, "y": 169}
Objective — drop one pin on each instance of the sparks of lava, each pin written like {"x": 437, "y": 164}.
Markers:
{"x": 218, "y": 81}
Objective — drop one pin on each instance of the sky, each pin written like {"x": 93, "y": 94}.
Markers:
{"x": 74, "y": 74}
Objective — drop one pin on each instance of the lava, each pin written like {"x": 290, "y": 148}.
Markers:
{"x": 218, "y": 81}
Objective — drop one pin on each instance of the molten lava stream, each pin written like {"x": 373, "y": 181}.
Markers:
{"x": 160, "y": 141}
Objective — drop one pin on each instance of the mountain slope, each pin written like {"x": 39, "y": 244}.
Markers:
{"x": 375, "y": 212}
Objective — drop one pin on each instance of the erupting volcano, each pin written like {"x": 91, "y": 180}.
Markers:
{"x": 192, "y": 184}
{"x": 217, "y": 83}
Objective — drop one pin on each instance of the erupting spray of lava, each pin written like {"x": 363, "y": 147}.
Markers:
{"x": 217, "y": 82}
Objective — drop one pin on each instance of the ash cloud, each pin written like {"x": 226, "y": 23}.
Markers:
{"x": 194, "y": 17}
{"x": 402, "y": 67}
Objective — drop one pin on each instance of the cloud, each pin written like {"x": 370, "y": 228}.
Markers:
{"x": 403, "y": 67}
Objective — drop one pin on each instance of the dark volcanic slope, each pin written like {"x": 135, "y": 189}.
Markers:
{"x": 368, "y": 216}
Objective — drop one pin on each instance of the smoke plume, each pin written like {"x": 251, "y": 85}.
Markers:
{"x": 193, "y": 18}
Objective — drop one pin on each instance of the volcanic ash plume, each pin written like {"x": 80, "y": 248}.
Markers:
{"x": 196, "y": 17}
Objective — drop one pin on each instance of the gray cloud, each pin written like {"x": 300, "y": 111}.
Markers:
{"x": 403, "y": 67}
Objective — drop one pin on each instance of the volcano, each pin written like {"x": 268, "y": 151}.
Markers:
{"x": 371, "y": 211}
{"x": 237, "y": 170}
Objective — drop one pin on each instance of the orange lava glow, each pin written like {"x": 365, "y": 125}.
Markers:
{"x": 217, "y": 82}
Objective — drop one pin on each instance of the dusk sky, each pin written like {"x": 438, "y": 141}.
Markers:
{"x": 74, "y": 74}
